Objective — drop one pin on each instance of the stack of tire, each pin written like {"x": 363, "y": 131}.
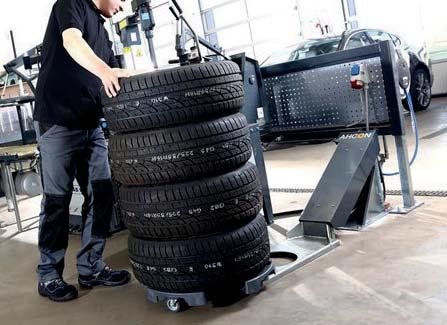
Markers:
{"x": 189, "y": 196}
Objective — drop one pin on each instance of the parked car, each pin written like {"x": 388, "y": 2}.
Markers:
{"x": 418, "y": 57}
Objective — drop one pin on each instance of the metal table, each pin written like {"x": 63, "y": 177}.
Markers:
{"x": 9, "y": 155}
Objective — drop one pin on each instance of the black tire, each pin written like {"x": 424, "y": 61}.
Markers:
{"x": 420, "y": 90}
{"x": 202, "y": 264}
{"x": 198, "y": 208}
{"x": 175, "y": 96}
{"x": 180, "y": 153}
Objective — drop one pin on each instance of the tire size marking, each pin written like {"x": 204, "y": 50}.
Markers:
{"x": 117, "y": 107}
{"x": 158, "y": 100}
{"x": 136, "y": 265}
{"x": 235, "y": 144}
{"x": 195, "y": 211}
{"x": 169, "y": 214}
{"x": 176, "y": 155}
{"x": 126, "y": 161}
{"x": 217, "y": 206}
{"x": 199, "y": 92}
{"x": 150, "y": 268}
{"x": 173, "y": 156}
{"x": 207, "y": 150}
{"x": 143, "y": 267}
{"x": 246, "y": 255}
{"x": 213, "y": 265}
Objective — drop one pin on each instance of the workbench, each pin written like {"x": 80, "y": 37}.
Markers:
{"x": 12, "y": 155}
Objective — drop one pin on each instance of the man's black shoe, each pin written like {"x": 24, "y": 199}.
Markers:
{"x": 57, "y": 290}
{"x": 106, "y": 277}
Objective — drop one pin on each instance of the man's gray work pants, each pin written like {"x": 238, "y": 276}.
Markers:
{"x": 66, "y": 154}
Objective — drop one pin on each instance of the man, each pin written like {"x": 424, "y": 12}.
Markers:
{"x": 77, "y": 60}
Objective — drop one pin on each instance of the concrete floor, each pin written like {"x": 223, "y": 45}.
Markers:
{"x": 394, "y": 272}
{"x": 302, "y": 166}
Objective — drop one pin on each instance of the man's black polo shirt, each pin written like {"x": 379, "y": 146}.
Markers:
{"x": 68, "y": 94}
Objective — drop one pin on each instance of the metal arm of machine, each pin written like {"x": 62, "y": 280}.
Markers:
{"x": 186, "y": 33}
{"x": 212, "y": 48}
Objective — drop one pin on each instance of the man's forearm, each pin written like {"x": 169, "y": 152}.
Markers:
{"x": 79, "y": 50}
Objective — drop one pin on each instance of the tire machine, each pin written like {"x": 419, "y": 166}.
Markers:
{"x": 353, "y": 96}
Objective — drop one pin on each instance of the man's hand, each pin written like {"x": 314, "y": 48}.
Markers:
{"x": 109, "y": 78}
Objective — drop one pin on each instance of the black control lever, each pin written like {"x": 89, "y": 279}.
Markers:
{"x": 174, "y": 13}
{"x": 186, "y": 33}
{"x": 177, "y": 6}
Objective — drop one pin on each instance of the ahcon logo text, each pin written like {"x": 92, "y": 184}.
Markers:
{"x": 356, "y": 136}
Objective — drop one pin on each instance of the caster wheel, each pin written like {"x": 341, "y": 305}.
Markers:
{"x": 176, "y": 305}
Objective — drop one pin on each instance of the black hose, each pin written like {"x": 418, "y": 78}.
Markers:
{"x": 382, "y": 179}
